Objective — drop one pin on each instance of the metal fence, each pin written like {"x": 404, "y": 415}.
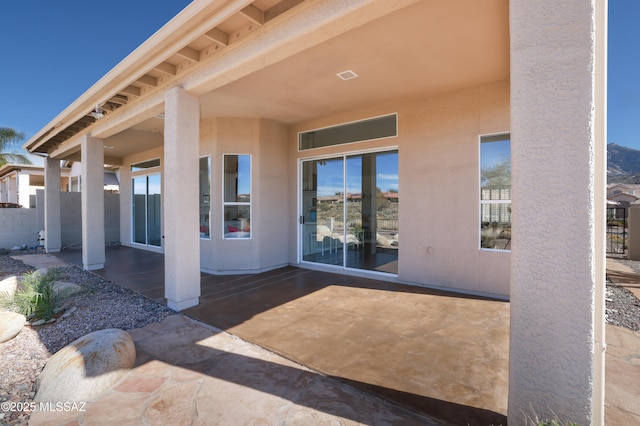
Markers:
{"x": 617, "y": 230}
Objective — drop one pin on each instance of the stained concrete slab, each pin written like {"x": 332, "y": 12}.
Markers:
{"x": 230, "y": 381}
{"x": 622, "y": 372}
{"x": 277, "y": 306}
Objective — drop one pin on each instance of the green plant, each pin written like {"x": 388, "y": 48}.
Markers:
{"x": 36, "y": 296}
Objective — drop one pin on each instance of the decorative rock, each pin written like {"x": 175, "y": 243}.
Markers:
{"x": 87, "y": 367}
{"x": 8, "y": 287}
{"x": 69, "y": 312}
{"x": 66, "y": 289}
{"x": 39, "y": 322}
{"x": 10, "y": 325}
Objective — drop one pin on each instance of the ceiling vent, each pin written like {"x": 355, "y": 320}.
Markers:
{"x": 347, "y": 75}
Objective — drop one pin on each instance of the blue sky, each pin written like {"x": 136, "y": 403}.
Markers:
{"x": 331, "y": 174}
{"x": 624, "y": 80}
{"x": 53, "y": 51}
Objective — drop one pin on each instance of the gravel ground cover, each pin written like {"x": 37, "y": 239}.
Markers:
{"x": 623, "y": 307}
{"x": 102, "y": 304}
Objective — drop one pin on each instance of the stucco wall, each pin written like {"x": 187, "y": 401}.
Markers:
{"x": 266, "y": 142}
{"x": 438, "y": 151}
{"x": 71, "y": 217}
{"x": 19, "y": 227}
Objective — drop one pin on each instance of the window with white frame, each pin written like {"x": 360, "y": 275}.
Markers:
{"x": 75, "y": 184}
{"x": 495, "y": 192}
{"x": 237, "y": 196}
{"x": 205, "y": 197}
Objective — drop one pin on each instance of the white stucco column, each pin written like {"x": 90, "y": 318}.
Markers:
{"x": 558, "y": 110}
{"x": 3, "y": 191}
{"x": 93, "y": 256}
{"x": 52, "y": 219}
{"x": 23, "y": 190}
{"x": 12, "y": 189}
{"x": 181, "y": 202}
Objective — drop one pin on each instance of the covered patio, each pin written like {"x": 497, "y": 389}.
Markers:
{"x": 437, "y": 353}
{"x": 216, "y": 124}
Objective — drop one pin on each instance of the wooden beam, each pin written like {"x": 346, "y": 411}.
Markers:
{"x": 280, "y": 8}
{"x": 85, "y": 120}
{"x": 253, "y": 14}
{"x": 118, "y": 99}
{"x": 189, "y": 53}
{"x": 110, "y": 106}
{"x": 217, "y": 36}
{"x": 166, "y": 68}
{"x": 148, "y": 80}
{"x": 131, "y": 90}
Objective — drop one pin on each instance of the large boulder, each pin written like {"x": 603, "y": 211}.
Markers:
{"x": 8, "y": 287}
{"x": 87, "y": 367}
{"x": 10, "y": 325}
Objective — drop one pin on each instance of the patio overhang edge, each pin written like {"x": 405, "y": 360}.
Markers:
{"x": 183, "y": 28}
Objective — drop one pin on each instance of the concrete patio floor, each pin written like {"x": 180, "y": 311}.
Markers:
{"x": 435, "y": 353}
{"x": 440, "y": 355}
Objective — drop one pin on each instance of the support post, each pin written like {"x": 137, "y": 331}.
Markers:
{"x": 181, "y": 202}
{"x": 4, "y": 198}
{"x": 23, "y": 189}
{"x": 92, "y": 193}
{"x": 12, "y": 189}
{"x": 633, "y": 223}
{"x": 556, "y": 357}
{"x": 52, "y": 218}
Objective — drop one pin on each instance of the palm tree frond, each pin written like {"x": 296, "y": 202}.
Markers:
{"x": 10, "y": 138}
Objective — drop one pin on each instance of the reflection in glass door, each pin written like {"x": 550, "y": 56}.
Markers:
{"x": 350, "y": 211}
{"x": 322, "y": 210}
{"x": 147, "y": 227}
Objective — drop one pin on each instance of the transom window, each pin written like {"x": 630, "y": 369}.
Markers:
{"x": 137, "y": 167}
{"x": 357, "y": 131}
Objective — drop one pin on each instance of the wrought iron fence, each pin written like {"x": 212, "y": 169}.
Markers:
{"x": 617, "y": 230}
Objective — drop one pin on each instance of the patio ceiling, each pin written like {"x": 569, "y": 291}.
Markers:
{"x": 425, "y": 48}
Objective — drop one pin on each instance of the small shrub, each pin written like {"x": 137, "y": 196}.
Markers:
{"x": 35, "y": 297}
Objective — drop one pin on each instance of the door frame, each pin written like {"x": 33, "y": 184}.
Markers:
{"x": 299, "y": 212}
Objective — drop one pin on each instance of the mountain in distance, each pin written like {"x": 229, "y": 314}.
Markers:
{"x": 623, "y": 164}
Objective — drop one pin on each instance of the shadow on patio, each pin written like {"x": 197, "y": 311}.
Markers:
{"x": 437, "y": 353}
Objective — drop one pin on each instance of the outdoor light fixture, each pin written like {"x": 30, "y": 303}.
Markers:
{"x": 98, "y": 113}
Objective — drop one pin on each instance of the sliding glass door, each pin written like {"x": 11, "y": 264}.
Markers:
{"x": 349, "y": 215}
{"x": 323, "y": 210}
{"x": 147, "y": 226}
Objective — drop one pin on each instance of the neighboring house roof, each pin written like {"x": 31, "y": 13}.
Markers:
{"x": 627, "y": 198}
{"x": 10, "y": 168}
{"x": 36, "y": 172}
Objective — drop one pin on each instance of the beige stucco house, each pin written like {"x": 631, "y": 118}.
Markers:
{"x": 19, "y": 182}
{"x": 242, "y": 126}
